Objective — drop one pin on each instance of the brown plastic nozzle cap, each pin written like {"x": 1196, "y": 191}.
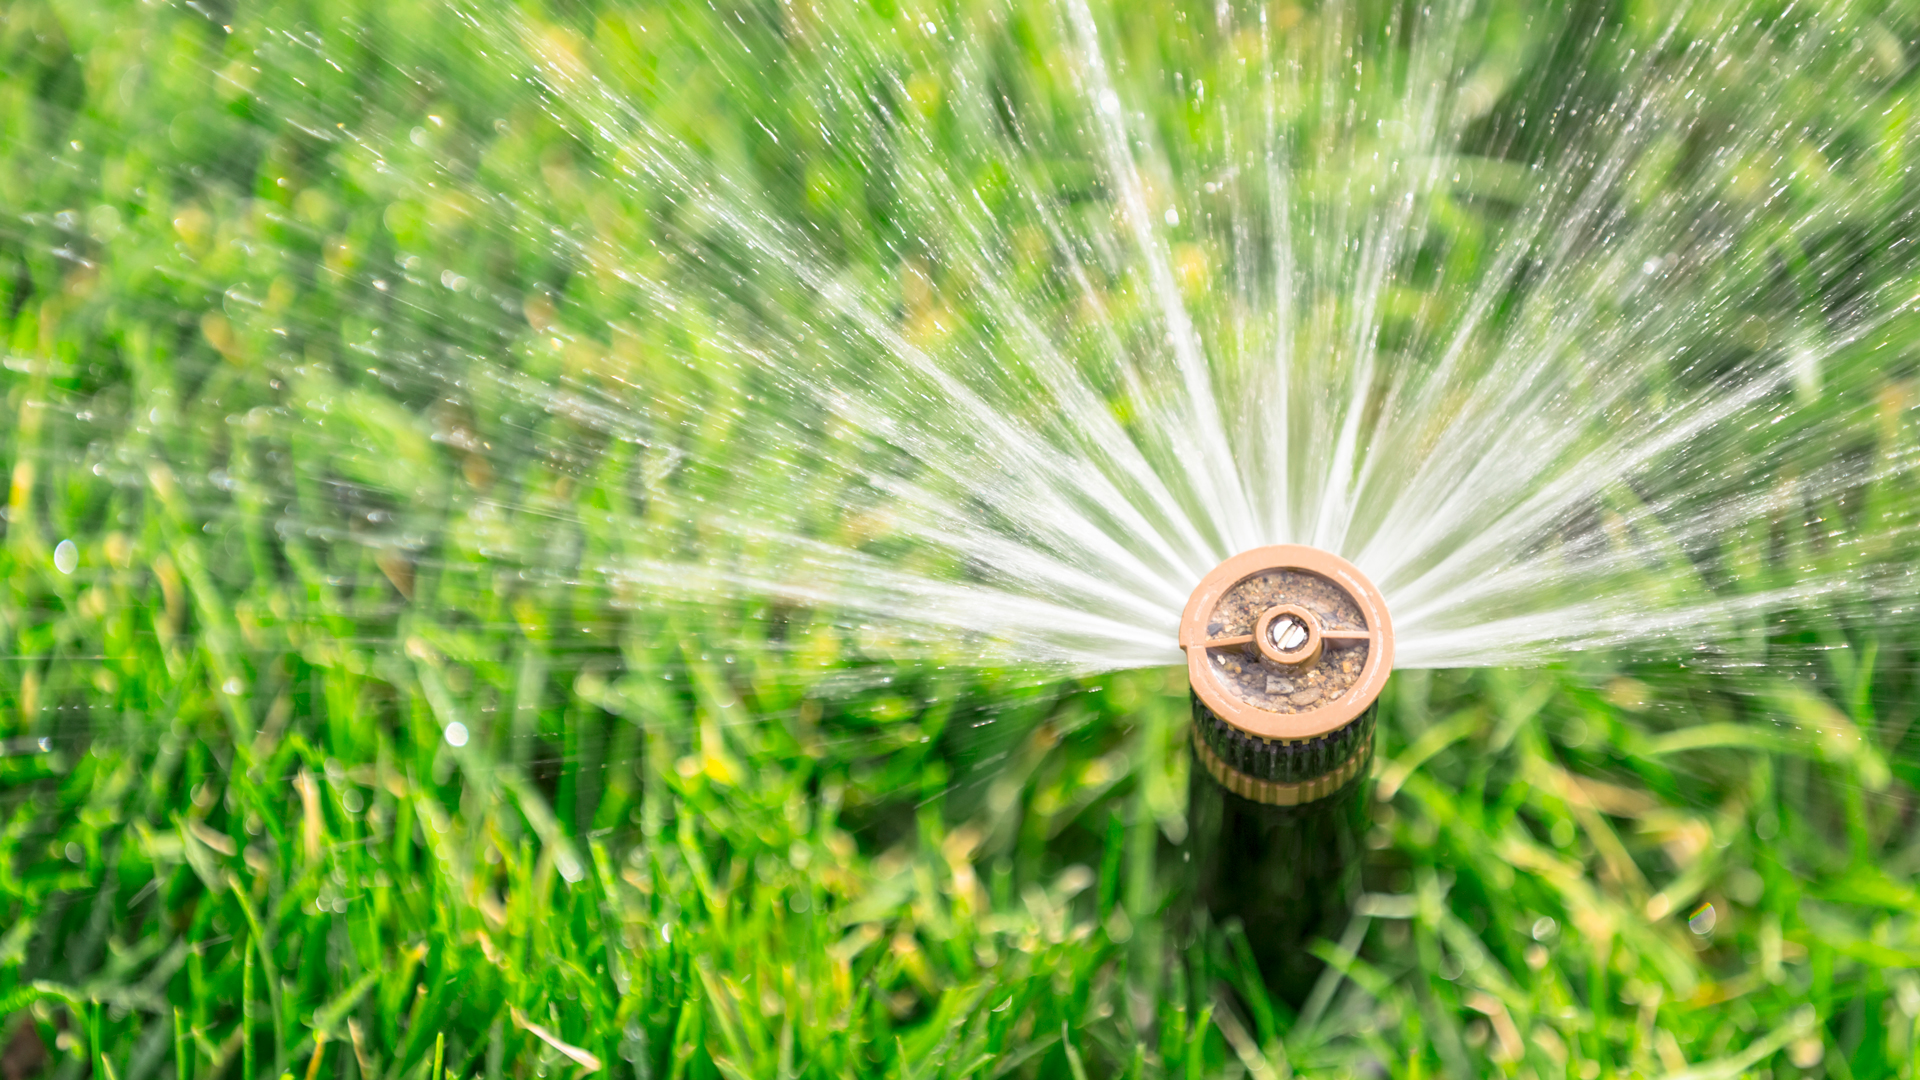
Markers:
{"x": 1287, "y": 642}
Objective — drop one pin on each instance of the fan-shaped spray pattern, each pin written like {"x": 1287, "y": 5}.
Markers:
{"x": 1070, "y": 404}
{"x": 1556, "y": 366}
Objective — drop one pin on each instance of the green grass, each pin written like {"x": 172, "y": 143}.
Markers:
{"x": 237, "y": 843}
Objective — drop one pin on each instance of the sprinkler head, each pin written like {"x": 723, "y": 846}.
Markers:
{"x": 1287, "y": 649}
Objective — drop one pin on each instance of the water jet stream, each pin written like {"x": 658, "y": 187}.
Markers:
{"x": 1559, "y": 452}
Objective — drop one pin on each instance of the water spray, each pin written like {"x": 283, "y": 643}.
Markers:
{"x": 1287, "y": 650}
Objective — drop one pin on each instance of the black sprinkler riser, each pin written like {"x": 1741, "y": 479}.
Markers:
{"x": 1287, "y": 649}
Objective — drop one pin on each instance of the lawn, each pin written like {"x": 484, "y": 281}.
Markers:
{"x": 325, "y": 751}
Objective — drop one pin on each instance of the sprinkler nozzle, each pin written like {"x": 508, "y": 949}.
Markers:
{"x": 1287, "y": 648}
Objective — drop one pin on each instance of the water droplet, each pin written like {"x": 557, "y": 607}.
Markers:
{"x": 456, "y": 734}
{"x": 1702, "y": 920}
{"x": 66, "y": 557}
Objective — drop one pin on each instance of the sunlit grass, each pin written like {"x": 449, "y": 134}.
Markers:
{"x": 300, "y": 776}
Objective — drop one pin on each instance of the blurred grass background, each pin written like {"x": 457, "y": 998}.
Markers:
{"x": 238, "y": 840}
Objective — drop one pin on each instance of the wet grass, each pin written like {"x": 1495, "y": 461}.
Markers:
{"x": 319, "y": 759}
